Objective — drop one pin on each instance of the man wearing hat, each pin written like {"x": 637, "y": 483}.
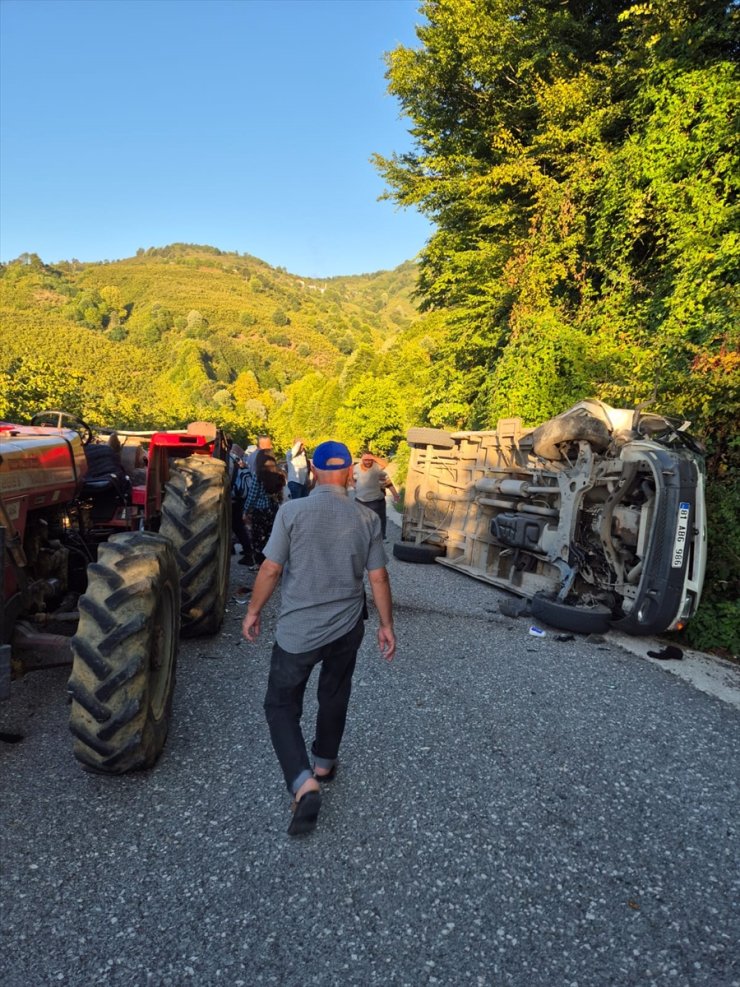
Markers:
{"x": 320, "y": 547}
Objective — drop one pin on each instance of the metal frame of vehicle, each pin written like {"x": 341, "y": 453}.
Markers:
{"x": 599, "y": 507}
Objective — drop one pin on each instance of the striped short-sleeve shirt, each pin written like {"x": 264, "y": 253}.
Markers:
{"x": 325, "y": 543}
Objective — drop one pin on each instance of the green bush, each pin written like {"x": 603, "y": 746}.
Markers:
{"x": 716, "y": 626}
{"x": 717, "y": 622}
{"x": 279, "y": 339}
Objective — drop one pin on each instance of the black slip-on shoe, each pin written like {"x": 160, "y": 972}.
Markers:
{"x": 305, "y": 814}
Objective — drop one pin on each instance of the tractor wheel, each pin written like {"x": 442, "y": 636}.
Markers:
{"x": 571, "y": 617}
{"x": 196, "y": 517}
{"x": 124, "y": 654}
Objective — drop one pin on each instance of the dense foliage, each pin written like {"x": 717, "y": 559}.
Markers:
{"x": 579, "y": 161}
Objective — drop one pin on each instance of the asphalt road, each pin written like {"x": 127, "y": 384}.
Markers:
{"x": 508, "y": 811}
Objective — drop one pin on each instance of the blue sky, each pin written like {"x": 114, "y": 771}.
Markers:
{"x": 243, "y": 124}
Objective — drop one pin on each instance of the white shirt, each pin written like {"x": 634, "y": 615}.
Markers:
{"x": 297, "y": 465}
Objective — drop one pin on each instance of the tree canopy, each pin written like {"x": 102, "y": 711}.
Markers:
{"x": 579, "y": 163}
{"x": 188, "y": 333}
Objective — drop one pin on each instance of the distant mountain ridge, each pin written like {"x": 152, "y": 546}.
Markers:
{"x": 188, "y": 328}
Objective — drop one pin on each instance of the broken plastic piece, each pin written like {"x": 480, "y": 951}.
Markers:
{"x": 669, "y": 653}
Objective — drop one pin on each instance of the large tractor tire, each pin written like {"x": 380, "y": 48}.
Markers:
{"x": 196, "y": 518}
{"x": 124, "y": 654}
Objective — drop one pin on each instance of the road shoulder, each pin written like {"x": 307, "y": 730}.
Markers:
{"x": 708, "y": 673}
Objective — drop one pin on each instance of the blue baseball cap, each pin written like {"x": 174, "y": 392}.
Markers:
{"x": 331, "y": 456}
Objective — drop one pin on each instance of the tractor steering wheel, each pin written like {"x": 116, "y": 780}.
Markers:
{"x": 63, "y": 419}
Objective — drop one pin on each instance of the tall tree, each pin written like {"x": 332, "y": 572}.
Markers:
{"x": 562, "y": 233}
{"x": 579, "y": 160}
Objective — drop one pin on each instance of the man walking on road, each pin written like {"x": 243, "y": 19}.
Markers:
{"x": 321, "y": 546}
{"x": 371, "y": 482}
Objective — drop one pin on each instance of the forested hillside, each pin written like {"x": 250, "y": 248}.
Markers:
{"x": 187, "y": 332}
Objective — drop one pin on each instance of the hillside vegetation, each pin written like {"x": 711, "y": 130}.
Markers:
{"x": 186, "y": 332}
{"x": 579, "y": 163}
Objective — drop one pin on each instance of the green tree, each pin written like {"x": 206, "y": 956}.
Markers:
{"x": 33, "y": 384}
{"x": 245, "y": 388}
{"x": 362, "y": 363}
{"x": 371, "y": 417}
{"x": 309, "y": 409}
{"x": 564, "y": 151}
{"x": 579, "y": 162}
{"x": 197, "y": 325}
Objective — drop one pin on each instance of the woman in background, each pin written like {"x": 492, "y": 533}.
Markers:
{"x": 298, "y": 470}
{"x": 263, "y": 499}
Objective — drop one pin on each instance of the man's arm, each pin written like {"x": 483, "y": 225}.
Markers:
{"x": 264, "y": 586}
{"x": 380, "y": 586}
{"x": 387, "y": 484}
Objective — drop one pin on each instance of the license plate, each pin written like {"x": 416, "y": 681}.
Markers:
{"x": 679, "y": 545}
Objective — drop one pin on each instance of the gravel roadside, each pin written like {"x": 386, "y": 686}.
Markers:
{"x": 509, "y": 810}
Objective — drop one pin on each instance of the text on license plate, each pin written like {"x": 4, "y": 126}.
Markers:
{"x": 679, "y": 545}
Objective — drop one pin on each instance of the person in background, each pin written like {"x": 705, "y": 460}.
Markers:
{"x": 371, "y": 482}
{"x": 263, "y": 442}
{"x": 262, "y": 500}
{"x": 298, "y": 467}
{"x": 239, "y": 485}
{"x": 104, "y": 463}
{"x": 319, "y": 550}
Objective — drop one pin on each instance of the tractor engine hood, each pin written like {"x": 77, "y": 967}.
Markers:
{"x": 39, "y": 466}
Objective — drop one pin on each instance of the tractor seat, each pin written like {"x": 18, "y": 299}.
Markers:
{"x": 100, "y": 483}
{"x": 106, "y": 483}
{"x": 97, "y": 484}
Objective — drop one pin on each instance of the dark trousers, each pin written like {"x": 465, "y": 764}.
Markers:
{"x": 286, "y": 686}
{"x": 239, "y": 527}
{"x": 262, "y": 522}
{"x": 378, "y": 506}
{"x": 297, "y": 490}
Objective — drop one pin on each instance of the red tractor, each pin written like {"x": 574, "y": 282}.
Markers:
{"x": 108, "y": 552}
